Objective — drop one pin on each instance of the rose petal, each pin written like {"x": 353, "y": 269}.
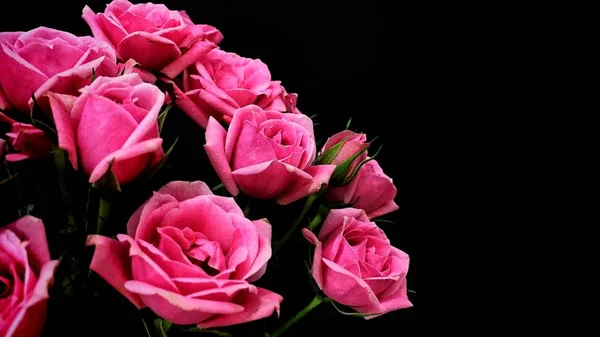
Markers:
{"x": 184, "y": 190}
{"x": 259, "y": 266}
{"x": 142, "y": 224}
{"x": 92, "y": 20}
{"x": 195, "y": 52}
{"x": 125, "y": 170}
{"x": 19, "y": 78}
{"x": 256, "y": 306}
{"x": 215, "y": 149}
{"x": 346, "y": 288}
{"x": 111, "y": 261}
{"x": 61, "y": 106}
{"x": 303, "y": 187}
{"x": 335, "y": 220}
{"x": 317, "y": 264}
{"x": 193, "y": 110}
{"x": 151, "y": 51}
{"x": 387, "y": 207}
{"x": 32, "y": 229}
{"x": 177, "y": 308}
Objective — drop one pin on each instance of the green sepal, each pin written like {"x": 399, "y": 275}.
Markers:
{"x": 162, "y": 117}
{"x": 327, "y": 156}
{"x": 40, "y": 120}
{"x": 341, "y": 171}
{"x": 355, "y": 171}
{"x": 108, "y": 181}
{"x": 152, "y": 171}
{"x": 346, "y": 313}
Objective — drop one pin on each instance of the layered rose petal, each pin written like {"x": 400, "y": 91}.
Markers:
{"x": 370, "y": 190}
{"x": 154, "y": 36}
{"x": 177, "y": 308}
{"x": 44, "y": 60}
{"x": 256, "y": 306}
{"x": 219, "y": 82}
{"x": 355, "y": 265}
{"x": 27, "y": 272}
{"x": 215, "y": 150}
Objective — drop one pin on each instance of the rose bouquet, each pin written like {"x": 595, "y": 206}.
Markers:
{"x": 98, "y": 201}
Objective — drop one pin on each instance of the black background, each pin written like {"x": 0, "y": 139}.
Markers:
{"x": 344, "y": 59}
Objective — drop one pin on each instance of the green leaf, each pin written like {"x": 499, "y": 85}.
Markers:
{"x": 341, "y": 171}
{"x": 357, "y": 168}
{"x": 327, "y": 156}
{"x": 163, "y": 116}
{"x": 208, "y": 331}
{"x": 162, "y": 326}
{"x": 348, "y": 124}
{"x": 355, "y": 314}
{"x": 109, "y": 180}
{"x": 151, "y": 172}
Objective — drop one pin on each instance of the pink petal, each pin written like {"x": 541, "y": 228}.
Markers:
{"x": 67, "y": 82}
{"x": 302, "y": 187}
{"x": 256, "y": 306}
{"x": 268, "y": 180}
{"x": 185, "y": 103}
{"x": 243, "y": 97}
{"x": 214, "y": 105}
{"x": 151, "y": 51}
{"x": 252, "y": 114}
{"x": 335, "y": 220}
{"x": 32, "y": 229}
{"x": 195, "y": 52}
{"x": 202, "y": 216}
{"x": 112, "y": 262}
{"x": 19, "y": 78}
{"x": 346, "y": 288}
{"x": 215, "y": 149}
{"x": 61, "y": 106}
{"x": 184, "y": 190}
{"x": 92, "y": 20}
{"x": 51, "y": 59}
{"x": 252, "y": 148}
{"x": 388, "y": 207}
{"x": 317, "y": 264}
{"x": 177, "y": 308}
{"x": 228, "y": 204}
{"x": 4, "y": 103}
{"x": 142, "y": 224}
{"x": 126, "y": 171}
{"x": 151, "y": 94}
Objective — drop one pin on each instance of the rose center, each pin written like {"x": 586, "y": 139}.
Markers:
{"x": 5, "y": 286}
{"x": 204, "y": 253}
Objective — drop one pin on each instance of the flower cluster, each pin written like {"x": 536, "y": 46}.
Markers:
{"x": 94, "y": 108}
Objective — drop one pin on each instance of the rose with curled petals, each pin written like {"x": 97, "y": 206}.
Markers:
{"x": 370, "y": 190}
{"x": 157, "y": 38}
{"x": 26, "y": 274}
{"x": 220, "y": 82}
{"x": 355, "y": 265}
{"x": 113, "y": 122}
{"x": 46, "y": 59}
{"x": 190, "y": 256}
{"x": 266, "y": 155}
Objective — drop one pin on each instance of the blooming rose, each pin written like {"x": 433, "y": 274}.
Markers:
{"x": 157, "y": 38}
{"x": 352, "y": 143}
{"x": 114, "y": 120}
{"x": 46, "y": 59}
{"x": 26, "y": 273}
{"x": 371, "y": 190}
{"x": 190, "y": 256}
{"x": 26, "y": 140}
{"x": 355, "y": 265}
{"x": 221, "y": 82}
{"x": 266, "y": 154}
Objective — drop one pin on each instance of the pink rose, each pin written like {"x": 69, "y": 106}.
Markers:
{"x": 26, "y": 140}
{"x": 355, "y": 265}
{"x": 190, "y": 256}
{"x": 352, "y": 143}
{"x": 26, "y": 273}
{"x": 371, "y": 190}
{"x": 46, "y": 59}
{"x": 266, "y": 154}
{"x": 221, "y": 82}
{"x": 114, "y": 120}
{"x": 157, "y": 38}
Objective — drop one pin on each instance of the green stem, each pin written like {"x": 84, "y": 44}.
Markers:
{"x": 313, "y": 304}
{"x": 103, "y": 213}
{"x": 307, "y": 206}
{"x": 316, "y": 221}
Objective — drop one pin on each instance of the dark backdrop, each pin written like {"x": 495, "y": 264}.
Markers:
{"x": 343, "y": 59}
